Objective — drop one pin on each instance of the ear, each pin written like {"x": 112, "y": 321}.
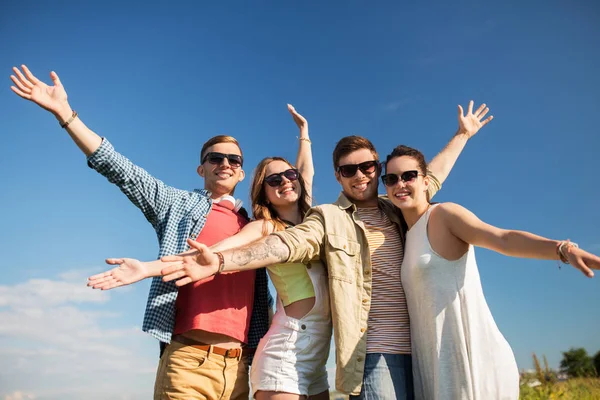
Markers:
{"x": 200, "y": 170}
{"x": 242, "y": 175}
{"x": 426, "y": 182}
{"x": 338, "y": 177}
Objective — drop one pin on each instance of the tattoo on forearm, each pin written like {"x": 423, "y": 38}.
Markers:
{"x": 272, "y": 246}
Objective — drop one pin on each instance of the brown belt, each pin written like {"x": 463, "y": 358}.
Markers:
{"x": 227, "y": 353}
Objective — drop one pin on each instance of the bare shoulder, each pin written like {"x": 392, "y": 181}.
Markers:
{"x": 257, "y": 226}
{"x": 449, "y": 211}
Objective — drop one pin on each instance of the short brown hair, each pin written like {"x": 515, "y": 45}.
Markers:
{"x": 216, "y": 140}
{"x": 402, "y": 150}
{"x": 350, "y": 144}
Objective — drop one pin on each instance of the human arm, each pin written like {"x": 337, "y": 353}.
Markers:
{"x": 129, "y": 271}
{"x": 301, "y": 243}
{"x": 465, "y": 225}
{"x": 304, "y": 159}
{"x": 54, "y": 100}
{"x": 146, "y": 192}
{"x": 468, "y": 126}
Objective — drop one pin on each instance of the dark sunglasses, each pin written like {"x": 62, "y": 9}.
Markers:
{"x": 275, "y": 180}
{"x": 367, "y": 167}
{"x": 234, "y": 160}
{"x": 392, "y": 179}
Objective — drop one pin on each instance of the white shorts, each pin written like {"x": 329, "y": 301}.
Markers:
{"x": 291, "y": 357}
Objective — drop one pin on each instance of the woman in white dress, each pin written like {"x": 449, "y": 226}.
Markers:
{"x": 458, "y": 351}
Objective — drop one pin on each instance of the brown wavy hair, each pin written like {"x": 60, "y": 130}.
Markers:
{"x": 261, "y": 208}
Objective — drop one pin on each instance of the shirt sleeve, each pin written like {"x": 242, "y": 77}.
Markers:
{"x": 305, "y": 241}
{"x": 147, "y": 193}
{"x": 434, "y": 185}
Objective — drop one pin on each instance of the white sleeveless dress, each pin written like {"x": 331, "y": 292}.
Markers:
{"x": 458, "y": 351}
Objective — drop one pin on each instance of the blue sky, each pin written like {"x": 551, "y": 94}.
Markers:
{"x": 159, "y": 79}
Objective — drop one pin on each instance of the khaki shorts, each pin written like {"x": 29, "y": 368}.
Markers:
{"x": 185, "y": 372}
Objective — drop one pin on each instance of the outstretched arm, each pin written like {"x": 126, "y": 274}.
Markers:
{"x": 54, "y": 99}
{"x": 304, "y": 160}
{"x": 129, "y": 271}
{"x": 468, "y": 126}
{"x": 464, "y": 225}
{"x": 302, "y": 243}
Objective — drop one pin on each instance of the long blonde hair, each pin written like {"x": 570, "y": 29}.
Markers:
{"x": 261, "y": 207}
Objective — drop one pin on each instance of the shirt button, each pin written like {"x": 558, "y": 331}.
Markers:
{"x": 365, "y": 301}
{"x": 344, "y": 246}
{"x": 308, "y": 266}
{"x": 367, "y": 272}
{"x": 359, "y": 359}
{"x": 362, "y": 330}
{"x": 303, "y": 327}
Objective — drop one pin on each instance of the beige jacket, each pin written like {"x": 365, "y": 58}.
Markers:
{"x": 335, "y": 234}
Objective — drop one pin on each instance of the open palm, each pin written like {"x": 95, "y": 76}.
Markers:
{"x": 129, "y": 271}
{"x": 298, "y": 119}
{"x": 472, "y": 122}
{"x": 51, "y": 98}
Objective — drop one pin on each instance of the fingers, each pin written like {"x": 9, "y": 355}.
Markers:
{"x": 461, "y": 113}
{"x": 21, "y": 90}
{"x": 183, "y": 282}
{"x": 480, "y": 110}
{"x": 174, "y": 275}
{"x": 106, "y": 284}
{"x": 197, "y": 245}
{"x": 99, "y": 276}
{"x": 29, "y": 75}
{"x": 22, "y": 78}
{"x": 115, "y": 261}
{"x": 171, "y": 258}
{"x": 20, "y": 93}
{"x": 580, "y": 265}
{"x": 488, "y": 119}
{"x": 470, "y": 110}
{"x": 54, "y": 77}
{"x": 171, "y": 269}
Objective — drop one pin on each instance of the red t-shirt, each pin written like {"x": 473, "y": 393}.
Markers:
{"x": 223, "y": 303}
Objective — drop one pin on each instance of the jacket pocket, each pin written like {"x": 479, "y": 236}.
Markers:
{"x": 343, "y": 258}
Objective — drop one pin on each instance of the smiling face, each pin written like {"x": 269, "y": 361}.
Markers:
{"x": 407, "y": 195}
{"x": 221, "y": 179}
{"x": 361, "y": 188}
{"x": 288, "y": 192}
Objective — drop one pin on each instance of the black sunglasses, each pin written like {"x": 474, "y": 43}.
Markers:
{"x": 275, "y": 180}
{"x": 367, "y": 167}
{"x": 392, "y": 179}
{"x": 234, "y": 160}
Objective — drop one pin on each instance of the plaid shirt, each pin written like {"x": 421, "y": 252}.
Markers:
{"x": 175, "y": 215}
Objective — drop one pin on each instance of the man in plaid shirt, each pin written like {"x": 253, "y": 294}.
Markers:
{"x": 213, "y": 321}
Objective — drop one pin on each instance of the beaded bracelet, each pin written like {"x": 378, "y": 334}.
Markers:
{"x": 305, "y": 139}
{"x": 560, "y": 250}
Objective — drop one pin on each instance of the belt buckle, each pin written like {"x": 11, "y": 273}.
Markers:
{"x": 229, "y": 353}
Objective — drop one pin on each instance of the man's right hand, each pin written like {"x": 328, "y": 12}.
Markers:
{"x": 51, "y": 98}
{"x": 193, "y": 265}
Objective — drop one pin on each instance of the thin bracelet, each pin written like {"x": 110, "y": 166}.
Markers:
{"x": 67, "y": 122}
{"x": 305, "y": 139}
{"x": 221, "y": 262}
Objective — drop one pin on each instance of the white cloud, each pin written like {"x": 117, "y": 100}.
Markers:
{"x": 63, "y": 340}
{"x": 19, "y": 395}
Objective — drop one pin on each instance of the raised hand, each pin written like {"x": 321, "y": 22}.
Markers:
{"x": 471, "y": 123}
{"x": 129, "y": 271}
{"x": 583, "y": 261}
{"x": 191, "y": 266}
{"x": 51, "y": 98}
{"x": 298, "y": 119}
